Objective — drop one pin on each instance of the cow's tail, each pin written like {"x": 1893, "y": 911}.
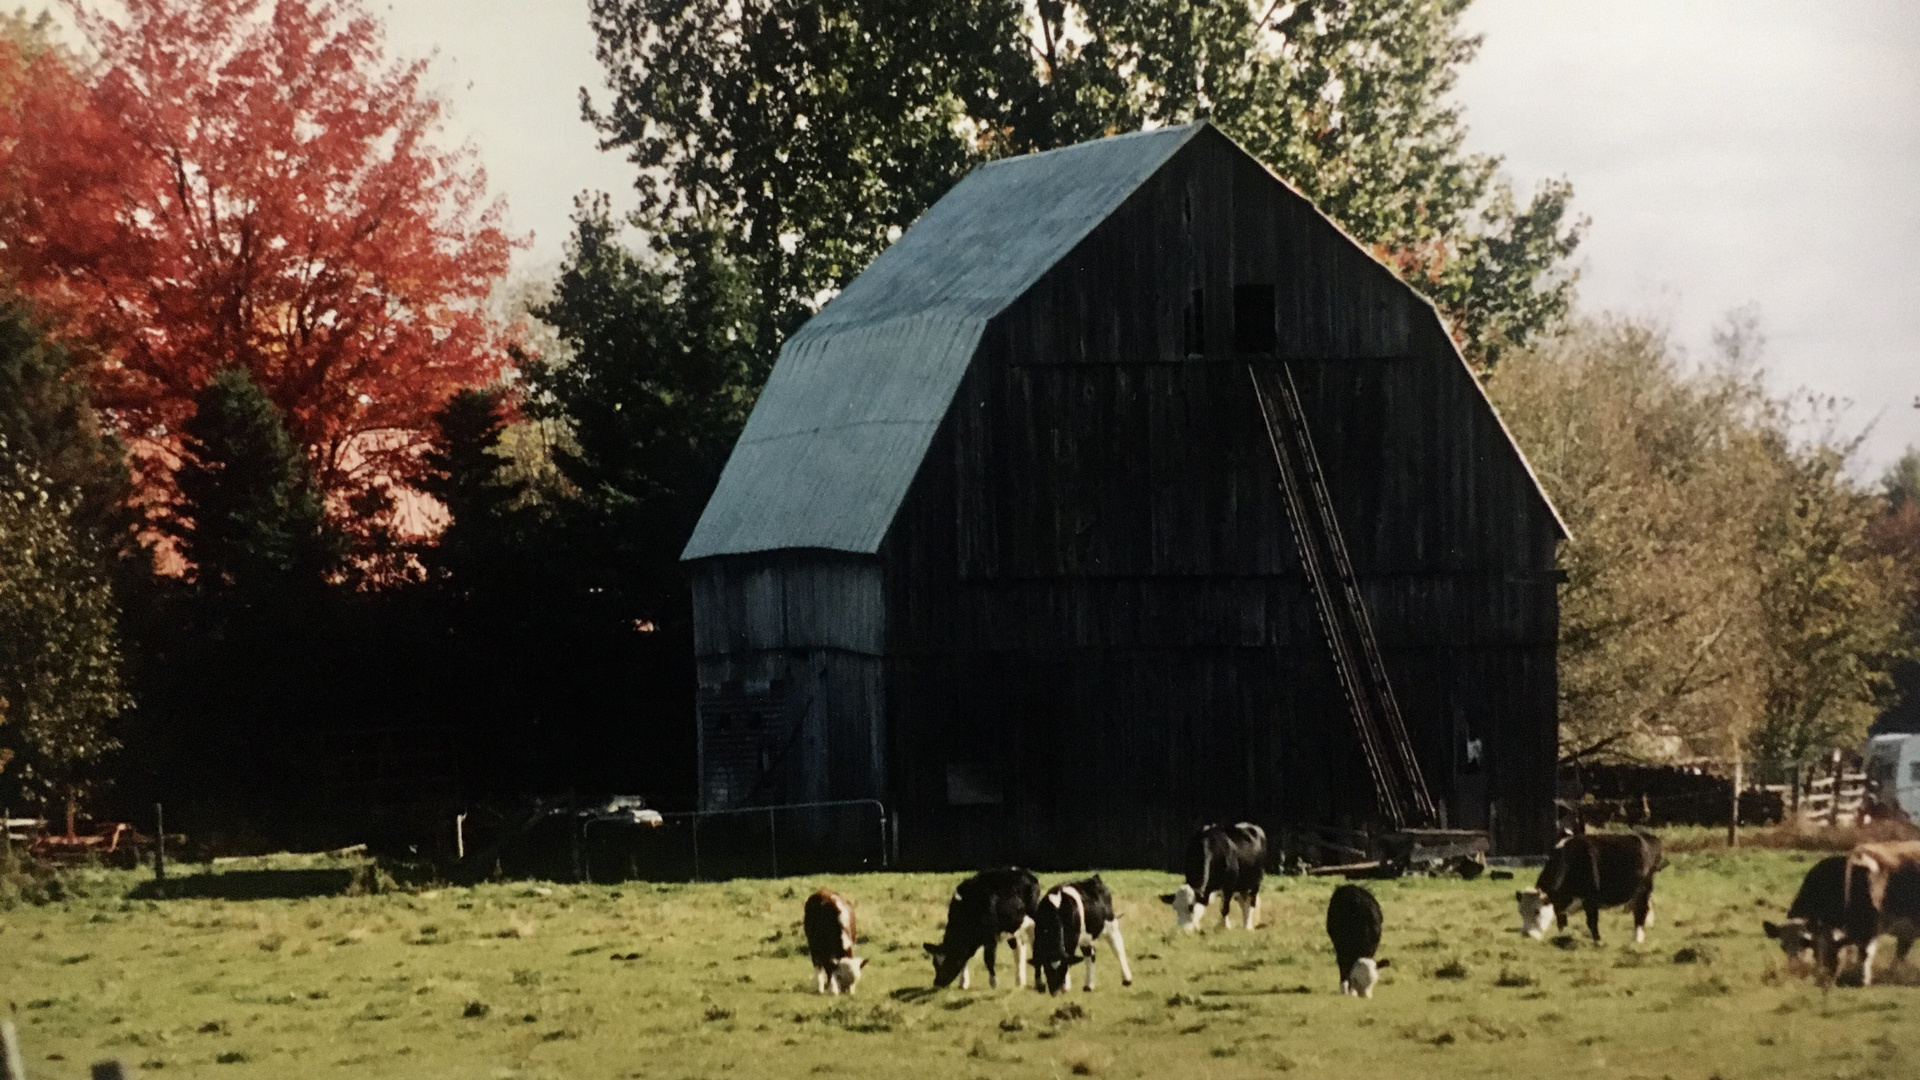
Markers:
{"x": 1659, "y": 849}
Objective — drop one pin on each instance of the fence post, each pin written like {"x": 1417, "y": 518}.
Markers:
{"x": 696, "y": 845}
{"x": 159, "y": 843}
{"x": 11, "y": 1067}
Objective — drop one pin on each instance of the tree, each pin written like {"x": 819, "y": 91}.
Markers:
{"x": 1722, "y": 596}
{"x": 60, "y": 683}
{"x": 237, "y": 183}
{"x": 250, "y": 517}
{"x": 47, "y": 417}
{"x": 818, "y": 131}
{"x": 467, "y": 474}
{"x": 658, "y": 376}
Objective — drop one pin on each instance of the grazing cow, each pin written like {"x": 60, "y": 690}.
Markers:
{"x": 1593, "y": 871}
{"x": 830, "y": 937}
{"x": 1224, "y": 860}
{"x": 1353, "y": 922}
{"x": 988, "y": 908}
{"x": 1065, "y": 926}
{"x": 1890, "y": 873}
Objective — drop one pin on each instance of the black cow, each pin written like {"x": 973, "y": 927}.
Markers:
{"x": 988, "y": 908}
{"x": 1353, "y": 922}
{"x": 1593, "y": 871}
{"x": 1065, "y": 926}
{"x": 1225, "y": 860}
{"x": 1822, "y": 921}
{"x": 1849, "y": 901}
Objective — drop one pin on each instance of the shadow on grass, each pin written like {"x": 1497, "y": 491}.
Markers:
{"x": 914, "y": 994}
{"x": 253, "y": 885}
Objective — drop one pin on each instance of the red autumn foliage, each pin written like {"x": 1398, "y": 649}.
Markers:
{"x": 236, "y": 182}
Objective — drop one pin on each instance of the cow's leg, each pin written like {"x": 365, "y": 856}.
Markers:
{"x": 1593, "y": 922}
{"x": 820, "y": 980}
{"x": 1086, "y": 952}
{"x": 966, "y": 973}
{"x": 1023, "y": 951}
{"x": 1642, "y": 914}
{"x": 1119, "y": 944}
{"x": 1901, "y": 946}
{"x": 1226, "y": 911}
{"x": 1866, "y": 961}
{"x": 1250, "y": 907}
{"x": 990, "y": 955}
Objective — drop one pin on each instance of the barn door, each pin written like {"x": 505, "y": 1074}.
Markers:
{"x": 1399, "y": 786}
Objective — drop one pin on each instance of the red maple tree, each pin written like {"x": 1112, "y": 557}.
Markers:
{"x": 235, "y": 182}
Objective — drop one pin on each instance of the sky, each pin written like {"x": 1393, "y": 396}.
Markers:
{"x": 1730, "y": 154}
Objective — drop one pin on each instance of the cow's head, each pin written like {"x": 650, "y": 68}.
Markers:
{"x": 1365, "y": 973}
{"x": 1803, "y": 942}
{"x": 1536, "y": 912}
{"x": 948, "y": 963}
{"x": 1187, "y": 906}
{"x": 846, "y": 973}
{"x": 1050, "y": 971}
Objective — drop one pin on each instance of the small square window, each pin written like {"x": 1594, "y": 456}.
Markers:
{"x": 1253, "y": 319}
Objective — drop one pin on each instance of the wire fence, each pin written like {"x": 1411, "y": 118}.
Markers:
{"x": 832, "y": 836}
{"x": 1832, "y": 792}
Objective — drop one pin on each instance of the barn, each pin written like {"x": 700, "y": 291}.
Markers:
{"x": 1122, "y": 493}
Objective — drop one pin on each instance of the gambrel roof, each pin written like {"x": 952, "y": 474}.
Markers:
{"x": 846, "y": 418}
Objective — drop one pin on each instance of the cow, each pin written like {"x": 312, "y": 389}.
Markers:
{"x": 831, "y": 931}
{"x": 988, "y": 908}
{"x": 1353, "y": 922}
{"x": 1890, "y": 873}
{"x": 1069, "y": 919}
{"x": 1227, "y": 860}
{"x": 1593, "y": 871}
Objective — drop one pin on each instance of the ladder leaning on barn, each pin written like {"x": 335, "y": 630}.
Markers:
{"x": 1398, "y": 783}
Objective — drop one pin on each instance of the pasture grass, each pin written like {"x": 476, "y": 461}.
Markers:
{"x": 532, "y": 980}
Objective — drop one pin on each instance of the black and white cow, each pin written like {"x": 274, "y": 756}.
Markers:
{"x": 988, "y": 908}
{"x": 1070, "y": 918}
{"x": 1224, "y": 860}
{"x": 1593, "y": 871}
{"x": 1353, "y": 922}
{"x": 1828, "y": 914}
{"x": 831, "y": 932}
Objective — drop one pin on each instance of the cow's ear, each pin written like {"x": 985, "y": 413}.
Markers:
{"x": 1772, "y": 930}
{"x": 859, "y": 962}
{"x": 932, "y": 949}
{"x": 1519, "y": 894}
{"x": 1166, "y": 898}
{"x": 1382, "y": 963}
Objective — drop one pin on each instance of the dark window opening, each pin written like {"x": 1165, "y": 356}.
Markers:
{"x": 1196, "y": 323}
{"x": 1253, "y": 319}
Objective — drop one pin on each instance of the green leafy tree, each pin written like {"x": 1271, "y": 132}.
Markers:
{"x": 60, "y": 687}
{"x": 818, "y": 131}
{"x": 1725, "y": 596}
{"x": 250, "y": 517}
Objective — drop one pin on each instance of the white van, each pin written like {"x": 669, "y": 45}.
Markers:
{"x": 1893, "y": 771}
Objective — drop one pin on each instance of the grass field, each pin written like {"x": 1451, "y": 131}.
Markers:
{"x": 709, "y": 980}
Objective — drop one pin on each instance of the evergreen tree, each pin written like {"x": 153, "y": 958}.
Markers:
{"x": 467, "y": 473}
{"x": 250, "y": 516}
{"x": 49, "y": 421}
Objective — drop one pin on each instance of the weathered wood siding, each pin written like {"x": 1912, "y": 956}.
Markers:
{"x": 1097, "y": 634}
{"x": 790, "y": 707}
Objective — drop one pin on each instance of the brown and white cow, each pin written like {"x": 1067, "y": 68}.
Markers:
{"x": 831, "y": 932}
{"x": 1891, "y": 874}
{"x": 1593, "y": 871}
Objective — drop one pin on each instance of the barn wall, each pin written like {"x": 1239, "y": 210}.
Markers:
{"x": 790, "y": 704}
{"x": 1099, "y": 635}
